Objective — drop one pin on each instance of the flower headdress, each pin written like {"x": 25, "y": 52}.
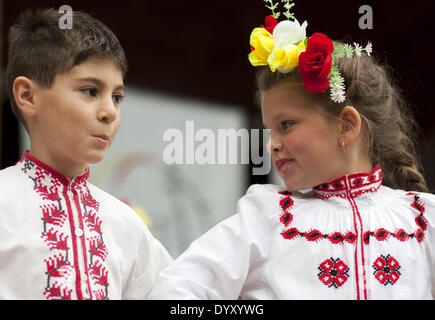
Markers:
{"x": 284, "y": 46}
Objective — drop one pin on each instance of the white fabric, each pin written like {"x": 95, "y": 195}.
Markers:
{"x": 62, "y": 239}
{"x": 350, "y": 238}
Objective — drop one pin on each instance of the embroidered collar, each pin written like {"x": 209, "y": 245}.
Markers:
{"x": 42, "y": 173}
{"x": 351, "y": 185}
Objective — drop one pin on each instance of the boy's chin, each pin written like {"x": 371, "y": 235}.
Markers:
{"x": 96, "y": 158}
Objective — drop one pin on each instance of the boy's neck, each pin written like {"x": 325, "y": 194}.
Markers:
{"x": 66, "y": 168}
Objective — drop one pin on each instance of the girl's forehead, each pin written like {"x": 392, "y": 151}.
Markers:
{"x": 284, "y": 98}
{"x": 283, "y": 102}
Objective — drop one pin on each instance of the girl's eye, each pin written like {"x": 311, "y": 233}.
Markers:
{"x": 90, "y": 92}
{"x": 286, "y": 124}
{"x": 117, "y": 98}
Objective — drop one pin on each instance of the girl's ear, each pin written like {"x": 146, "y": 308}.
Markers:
{"x": 350, "y": 126}
{"x": 24, "y": 93}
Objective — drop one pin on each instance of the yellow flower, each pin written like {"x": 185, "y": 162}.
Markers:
{"x": 284, "y": 59}
{"x": 262, "y": 42}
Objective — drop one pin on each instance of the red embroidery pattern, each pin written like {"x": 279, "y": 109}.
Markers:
{"x": 60, "y": 233}
{"x": 333, "y": 272}
{"x": 315, "y": 235}
{"x": 381, "y": 234}
{"x": 400, "y": 234}
{"x": 386, "y": 270}
{"x": 56, "y": 292}
{"x": 286, "y": 203}
{"x": 360, "y": 183}
{"x": 53, "y": 220}
{"x": 286, "y": 217}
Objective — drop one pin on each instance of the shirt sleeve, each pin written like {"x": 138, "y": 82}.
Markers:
{"x": 216, "y": 265}
{"x": 151, "y": 258}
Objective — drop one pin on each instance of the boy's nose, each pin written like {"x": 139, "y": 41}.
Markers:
{"x": 107, "y": 112}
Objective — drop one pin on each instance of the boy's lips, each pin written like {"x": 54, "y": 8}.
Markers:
{"x": 279, "y": 164}
{"x": 103, "y": 139}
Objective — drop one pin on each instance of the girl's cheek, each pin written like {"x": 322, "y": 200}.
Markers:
{"x": 295, "y": 143}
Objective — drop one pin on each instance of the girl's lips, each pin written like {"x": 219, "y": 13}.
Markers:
{"x": 280, "y": 164}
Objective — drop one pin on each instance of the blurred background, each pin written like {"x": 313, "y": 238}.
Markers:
{"x": 188, "y": 62}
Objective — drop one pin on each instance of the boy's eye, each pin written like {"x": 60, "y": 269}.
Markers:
{"x": 117, "y": 98}
{"x": 286, "y": 124}
{"x": 90, "y": 91}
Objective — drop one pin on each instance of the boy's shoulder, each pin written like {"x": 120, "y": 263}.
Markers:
{"x": 114, "y": 209}
{"x": 9, "y": 182}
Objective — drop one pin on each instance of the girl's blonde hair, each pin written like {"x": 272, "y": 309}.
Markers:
{"x": 391, "y": 129}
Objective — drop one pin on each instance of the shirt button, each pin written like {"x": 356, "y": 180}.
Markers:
{"x": 78, "y": 232}
{"x": 84, "y": 277}
{"x": 70, "y": 194}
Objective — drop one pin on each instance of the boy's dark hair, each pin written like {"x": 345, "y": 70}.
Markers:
{"x": 39, "y": 49}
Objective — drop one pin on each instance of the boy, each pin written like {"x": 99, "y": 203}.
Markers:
{"x": 60, "y": 236}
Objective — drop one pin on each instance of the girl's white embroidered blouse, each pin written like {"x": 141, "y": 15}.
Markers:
{"x": 350, "y": 238}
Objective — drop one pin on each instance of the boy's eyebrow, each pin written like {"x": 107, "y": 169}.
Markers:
{"x": 100, "y": 83}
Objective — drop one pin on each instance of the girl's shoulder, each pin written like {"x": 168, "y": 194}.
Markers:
{"x": 399, "y": 194}
{"x": 270, "y": 198}
{"x": 275, "y": 191}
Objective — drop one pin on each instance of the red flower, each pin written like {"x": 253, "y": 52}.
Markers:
{"x": 271, "y": 23}
{"x": 386, "y": 270}
{"x": 315, "y": 63}
{"x": 333, "y": 272}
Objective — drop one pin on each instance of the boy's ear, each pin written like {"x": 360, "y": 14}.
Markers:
{"x": 350, "y": 125}
{"x": 24, "y": 93}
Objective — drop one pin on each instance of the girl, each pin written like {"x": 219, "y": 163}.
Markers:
{"x": 357, "y": 234}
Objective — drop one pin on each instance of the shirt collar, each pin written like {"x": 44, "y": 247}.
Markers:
{"x": 351, "y": 185}
{"x": 42, "y": 173}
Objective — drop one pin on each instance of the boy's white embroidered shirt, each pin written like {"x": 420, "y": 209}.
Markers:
{"x": 62, "y": 239}
{"x": 350, "y": 238}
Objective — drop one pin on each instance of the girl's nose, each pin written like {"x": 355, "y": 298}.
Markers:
{"x": 274, "y": 144}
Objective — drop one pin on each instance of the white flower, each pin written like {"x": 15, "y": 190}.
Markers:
{"x": 337, "y": 93}
{"x": 289, "y": 32}
{"x": 369, "y": 48}
{"x": 338, "y": 97}
{"x": 358, "y": 49}
{"x": 337, "y": 88}
{"x": 348, "y": 50}
{"x": 336, "y": 84}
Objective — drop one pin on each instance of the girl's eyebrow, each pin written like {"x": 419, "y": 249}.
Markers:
{"x": 264, "y": 123}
